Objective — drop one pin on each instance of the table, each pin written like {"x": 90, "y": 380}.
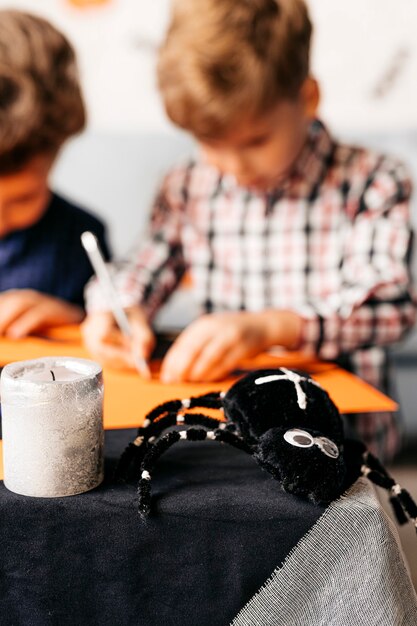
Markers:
{"x": 225, "y": 543}
{"x": 224, "y": 546}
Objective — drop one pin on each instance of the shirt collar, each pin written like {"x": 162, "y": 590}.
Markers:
{"x": 313, "y": 161}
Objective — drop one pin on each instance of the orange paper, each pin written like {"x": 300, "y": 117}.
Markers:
{"x": 128, "y": 398}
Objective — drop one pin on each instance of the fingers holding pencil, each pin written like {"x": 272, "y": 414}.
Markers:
{"x": 110, "y": 346}
{"x": 141, "y": 342}
{"x": 135, "y": 345}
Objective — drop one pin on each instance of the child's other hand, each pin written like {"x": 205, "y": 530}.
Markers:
{"x": 212, "y": 346}
{"x": 25, "y": 311}
{"x": 106, "y": 343}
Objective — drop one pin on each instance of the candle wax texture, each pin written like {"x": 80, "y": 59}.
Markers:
{"x": 42, "y": 372}
{"x": 52, "y": 429}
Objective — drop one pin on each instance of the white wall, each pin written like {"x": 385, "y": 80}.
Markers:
{"x": 116, "y": 44}
{"x": 365, "y": 54}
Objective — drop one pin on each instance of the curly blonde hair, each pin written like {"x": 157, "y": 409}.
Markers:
{"x": 222, "y": 58}
{"x": 41, "y": 104}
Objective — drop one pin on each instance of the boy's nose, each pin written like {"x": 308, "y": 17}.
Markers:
{"x": 236, "y": 166}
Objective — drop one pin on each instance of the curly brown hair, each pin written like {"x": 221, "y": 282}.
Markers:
{"x": 41, "y": 104}
{"x": 224, "y": 57}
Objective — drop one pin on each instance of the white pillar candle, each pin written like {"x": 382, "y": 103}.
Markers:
{"x": 52, "y": 419}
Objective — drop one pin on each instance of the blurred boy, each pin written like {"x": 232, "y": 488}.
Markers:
{"x": 291, "y": 238}
{"x": 43, "y": 268}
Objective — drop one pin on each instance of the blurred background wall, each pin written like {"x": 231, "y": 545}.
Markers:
{"x": 364, "y": 54}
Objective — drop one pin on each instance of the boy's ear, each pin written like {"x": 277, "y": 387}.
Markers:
{"x": 310, "y": 96}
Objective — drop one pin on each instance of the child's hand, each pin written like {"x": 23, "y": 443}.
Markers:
{"x": 212, "y": 346}
{"x": 107, "y": 344}
{"x": 25, "y": 311}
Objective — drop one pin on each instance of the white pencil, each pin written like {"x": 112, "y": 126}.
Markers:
{"x": 92, "y": 248}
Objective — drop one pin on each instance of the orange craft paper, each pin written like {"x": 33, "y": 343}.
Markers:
{"x": 128, "y": 398}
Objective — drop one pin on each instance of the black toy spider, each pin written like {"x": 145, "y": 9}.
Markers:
{"x": 285, "y": 420}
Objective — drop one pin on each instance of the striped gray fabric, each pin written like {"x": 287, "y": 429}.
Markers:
{"x": 347, "y": 571}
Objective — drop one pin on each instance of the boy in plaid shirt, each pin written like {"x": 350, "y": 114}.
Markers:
{"x": 291, "y": 238}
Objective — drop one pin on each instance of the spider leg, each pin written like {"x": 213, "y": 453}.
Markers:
{"x": 179, "y": 419}
{"x": 131, "y": 458}
{"x": 134, "y": 452}
{"x": 211, "y": 400}
{"x": 164, "y": 443}
{"x": 400, "y": 499}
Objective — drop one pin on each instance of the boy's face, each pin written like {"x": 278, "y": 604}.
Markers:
{"x": 24, "y": 195}
{"x": 259, "y": 152}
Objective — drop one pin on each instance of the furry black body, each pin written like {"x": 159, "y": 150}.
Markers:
{"x": 285, "y": 420}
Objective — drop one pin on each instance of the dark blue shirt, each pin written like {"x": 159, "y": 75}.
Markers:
{"x": 48, "y": 256}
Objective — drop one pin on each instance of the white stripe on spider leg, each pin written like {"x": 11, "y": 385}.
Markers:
{"x": 180, "y": 419}
{"x": 146, "y": 475}
{"x": 294, "y": 378}
{"x": 146, "y": 423}
{"x": 396, "y": 489}
{"x": 210, "y": 434}
{"x": 138, "y": 441}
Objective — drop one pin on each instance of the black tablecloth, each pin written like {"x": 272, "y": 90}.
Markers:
{"x": 220, "y": 528}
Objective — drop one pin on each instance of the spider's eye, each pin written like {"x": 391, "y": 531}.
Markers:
{"x": 327, "y": 446}
{"x": 299, "y": 438}
{"x": 303, "y": 439}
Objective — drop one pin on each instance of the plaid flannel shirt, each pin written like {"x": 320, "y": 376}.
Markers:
{"x": 332, "y": 243}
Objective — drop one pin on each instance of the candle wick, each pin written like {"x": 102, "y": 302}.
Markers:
{"x": 52, "y": 374}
